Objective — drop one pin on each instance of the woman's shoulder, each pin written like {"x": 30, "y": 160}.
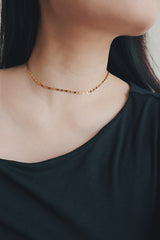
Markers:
{"x": 143, "y": 95}
{"x": 136, "y": 88}
{"x": 145, "y": 105}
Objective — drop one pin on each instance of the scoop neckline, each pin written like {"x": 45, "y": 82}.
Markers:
{"x": 77, "y": 150}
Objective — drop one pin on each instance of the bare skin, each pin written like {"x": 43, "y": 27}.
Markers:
{"x": 30, "y": 132}
{"x": 37, "y": 124}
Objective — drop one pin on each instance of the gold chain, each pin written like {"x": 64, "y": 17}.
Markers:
{"x": 64, "y": 90}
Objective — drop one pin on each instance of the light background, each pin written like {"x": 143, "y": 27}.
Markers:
{"x": 153, "y": 43}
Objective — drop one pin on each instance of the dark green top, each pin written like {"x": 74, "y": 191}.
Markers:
{"x": 106, "y": 189}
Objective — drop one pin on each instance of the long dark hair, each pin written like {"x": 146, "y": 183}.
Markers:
{"x": 128, "y": 58}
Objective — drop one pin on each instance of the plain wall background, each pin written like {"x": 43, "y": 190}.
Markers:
{"x": 153, "y": 43}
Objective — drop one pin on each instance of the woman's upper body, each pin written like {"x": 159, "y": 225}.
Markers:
{"x": 71, "y": 52}
{"x": 105, "y": 187}
{"x": 78, "y": 167}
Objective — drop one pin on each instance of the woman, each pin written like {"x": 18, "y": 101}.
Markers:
{"x": 82, "y": 162}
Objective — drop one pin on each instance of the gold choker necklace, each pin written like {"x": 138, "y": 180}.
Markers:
{"x": 64, "y": 90}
